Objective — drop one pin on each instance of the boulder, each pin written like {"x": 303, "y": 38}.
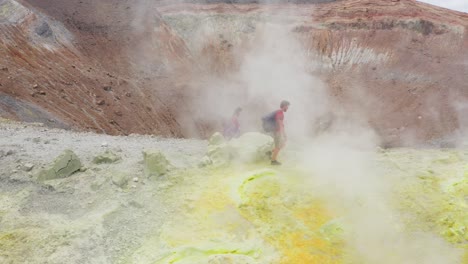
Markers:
{"x": 63, "y": 166}
{"x": 106, "y": 157}
{"x": 216, "y": 139}
{"x": 155, "y": 163}
{"x": 219, "y": 155}
{"x": 253, "y": 147}
{"x": 249, "y": 148}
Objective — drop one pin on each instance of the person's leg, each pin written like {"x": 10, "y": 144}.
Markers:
{"x": 275, "y": 153}
{"x": 276, "y": 150}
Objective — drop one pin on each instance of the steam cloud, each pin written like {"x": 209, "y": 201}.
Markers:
{"x": 341, "y": 159}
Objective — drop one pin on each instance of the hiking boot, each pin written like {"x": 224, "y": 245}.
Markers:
{"x": 275, "y": 163}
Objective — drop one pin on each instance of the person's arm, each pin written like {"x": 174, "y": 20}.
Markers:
{"x": 280, "y": 124}
{"x": 282, "y": 131}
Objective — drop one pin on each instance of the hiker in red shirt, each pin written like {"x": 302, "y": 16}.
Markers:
{"x": 274, "y": 124}
{"x": 232, "y": 126}
{"x": 280, "y": 134}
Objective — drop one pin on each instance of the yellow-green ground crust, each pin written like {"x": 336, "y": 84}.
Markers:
{"x": 268, "y": 216}
{"x": 259, "y": 214}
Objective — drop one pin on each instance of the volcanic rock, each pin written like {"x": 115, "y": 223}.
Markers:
{"x": 120, "y": 179}
{"x": 106, "y": 157}
{"x": 155, "y": 163}
{"x": 63, "y": 166}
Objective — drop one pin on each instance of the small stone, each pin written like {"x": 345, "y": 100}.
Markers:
{"x": 100, "y": 102}
{"x": 83, "y": 169}
{"x": 104, "y": 144}
{"x": 10, "y": 152}
{"x": 42, "y": 93}
{"x": 107, "y": 88}
{"x": 120, "y": 179}
{"x": 36, "y": 140}
{"x": 134, "y": 186}
{"x": 135, "y": 179}
{"x": 35, "y": 86}
{"x": 106, "y": 157}
{"x": 28, "y": 167}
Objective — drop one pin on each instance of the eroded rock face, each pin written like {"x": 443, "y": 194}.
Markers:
{"x": 63, "y": 166}
{"x": 405, "y": 55}
{"x": 155, "y": 163}
{"x": 56, "y": 46}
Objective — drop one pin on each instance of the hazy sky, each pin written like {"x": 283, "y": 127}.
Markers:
{"x": 460, "y": 5}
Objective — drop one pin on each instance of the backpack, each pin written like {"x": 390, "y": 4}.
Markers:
{"x": 269, "y": 122}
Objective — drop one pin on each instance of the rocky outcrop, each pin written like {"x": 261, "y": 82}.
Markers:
{"x": 63, "y": 166}
{"x": 155, "y": 163}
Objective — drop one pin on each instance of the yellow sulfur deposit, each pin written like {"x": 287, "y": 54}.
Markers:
{"x": 256, "y": 214}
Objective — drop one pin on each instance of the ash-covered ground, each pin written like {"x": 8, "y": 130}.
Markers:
{"x": 329, "y": 203}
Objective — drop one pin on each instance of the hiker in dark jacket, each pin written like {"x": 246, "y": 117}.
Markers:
{"x": 274, "y": 124}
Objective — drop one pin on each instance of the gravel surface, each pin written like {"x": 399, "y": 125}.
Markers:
{"x": 85, "y": 218}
